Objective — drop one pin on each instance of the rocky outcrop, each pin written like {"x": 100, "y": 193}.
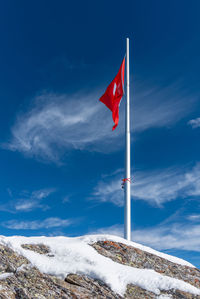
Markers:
{"x": 19, "y": 279}
{"x": 137, "y": 258}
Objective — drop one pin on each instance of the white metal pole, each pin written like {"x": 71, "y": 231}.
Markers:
{"x": 127, "y": 187}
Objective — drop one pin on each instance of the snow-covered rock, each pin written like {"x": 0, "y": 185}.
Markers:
{"x": 92, "y": 266}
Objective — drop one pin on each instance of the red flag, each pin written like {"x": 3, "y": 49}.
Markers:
{"x": 113, "y": 94}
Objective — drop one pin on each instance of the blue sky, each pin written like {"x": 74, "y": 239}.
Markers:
{"x": 61, "y": 164}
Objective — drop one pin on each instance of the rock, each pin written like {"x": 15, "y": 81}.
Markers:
{"x": 137, "y": 258}
{"x": 28, "y": 282}
{"x": 39, "y": 248}
{"x": 96, "y": 288}
{"x": 23, "y": 281}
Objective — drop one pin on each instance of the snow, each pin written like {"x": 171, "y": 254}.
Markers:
{"x": 5, "y": 275}
{"x": 75, "y": 255}
{"x": 164, "y": 297}
{"x": 23, "y": 267}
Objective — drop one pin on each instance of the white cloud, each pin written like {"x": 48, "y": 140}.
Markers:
{"x": 26, "y": 205}
{"x": 160, "y": 106}
{"x": 109, "y": 191}
{"x": 116, "y": 230}
{"x": 37, "y": 224}
{"x": 43, "y": 193}
{"x": 155, "y": 187}
{"x": 28, "y": 201}
{"x": 194, "y": 217}
{"x": 57, "y": 123}
{"x": 176, "y": 236}
{"x": 194, "y": 123}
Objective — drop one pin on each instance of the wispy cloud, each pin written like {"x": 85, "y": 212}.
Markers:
{"x": 155, "y": 187}
{"x": 179, "y": 236}
{"x": 56, "y": 123}
{"x": 53, "y": 222}
{"x": 66, "y": 199}
{"x": 194, "y": 123}
{"x": 194, "y": 217}
{"x": 116, "y": 230}
{"x": 27, "y": 201}
{"x": 60, "y": 122}
{"x": 176, "y": 236}
{"x": 160, "y": 106}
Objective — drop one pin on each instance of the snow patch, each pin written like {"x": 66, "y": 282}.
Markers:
{"x": 165, "y": 297}
{"x": 23, "y": 267}
{"x": 5, "y": 275}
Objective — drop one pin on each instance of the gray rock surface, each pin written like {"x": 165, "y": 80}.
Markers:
{"x": 137, "y": 258}
{"x": 19, "y": 279}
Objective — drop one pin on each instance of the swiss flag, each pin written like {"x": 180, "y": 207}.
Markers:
{"x": 113, "y": 94}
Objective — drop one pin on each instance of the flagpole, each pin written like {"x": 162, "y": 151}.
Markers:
{"x": 127, "y": 187}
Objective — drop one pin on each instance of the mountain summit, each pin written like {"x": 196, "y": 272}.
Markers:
{"x": 92, "y": 266}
